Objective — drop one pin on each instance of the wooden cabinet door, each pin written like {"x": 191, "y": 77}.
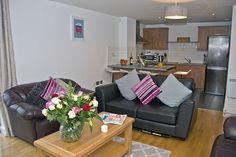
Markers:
{"x": 197, "y": 73}
{"x": 205, "y": 31}
{"x": 163, "y": 36}
{"x": 148, "y": 36}
{"x": 157, "y": 38}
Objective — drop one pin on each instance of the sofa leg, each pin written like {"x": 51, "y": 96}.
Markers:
{"x": 156, "y": 134}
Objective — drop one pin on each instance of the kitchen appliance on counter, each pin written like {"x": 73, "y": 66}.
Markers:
{"x": 150, "y": 56}
{"x": 217, "y": 64}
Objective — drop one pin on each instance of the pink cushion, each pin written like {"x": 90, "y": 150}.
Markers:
{"x": 146, "y": 90}
{"x": 52, "y": 87}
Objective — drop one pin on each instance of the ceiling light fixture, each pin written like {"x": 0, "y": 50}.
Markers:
{"x": 176, "y": 12}
{"x": 173, "y": 1}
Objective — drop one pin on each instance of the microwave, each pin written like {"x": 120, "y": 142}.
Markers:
{"x": 150, "y": 56}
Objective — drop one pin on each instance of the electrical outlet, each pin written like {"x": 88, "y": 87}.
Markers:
{"x": 97, "y": 83}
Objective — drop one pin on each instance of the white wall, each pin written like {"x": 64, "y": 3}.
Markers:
{"x": 127, "y": 37}
{"x": 177, "y": 52}
{"x": 41, "y": 36}
{"x": 230, "y": 103}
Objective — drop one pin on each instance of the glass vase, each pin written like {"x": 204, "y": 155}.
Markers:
{"x": 69, "y": 134}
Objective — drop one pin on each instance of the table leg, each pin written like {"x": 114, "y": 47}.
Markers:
{"x": 128, "y": 139}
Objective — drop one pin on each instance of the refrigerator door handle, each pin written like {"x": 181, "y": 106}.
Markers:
{"x": 216, "y": 68}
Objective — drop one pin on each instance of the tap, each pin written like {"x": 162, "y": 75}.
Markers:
{"x": 188, "y": 60}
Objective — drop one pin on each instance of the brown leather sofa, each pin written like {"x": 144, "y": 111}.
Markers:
{"x": 26, "y": 119}
{"x": 225, "y": 144}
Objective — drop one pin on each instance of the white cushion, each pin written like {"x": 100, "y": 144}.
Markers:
{"x": 126, "y": 83}
{"x": 173, "y": 92}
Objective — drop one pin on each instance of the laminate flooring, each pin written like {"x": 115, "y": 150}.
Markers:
{"x": 198, "y": 144}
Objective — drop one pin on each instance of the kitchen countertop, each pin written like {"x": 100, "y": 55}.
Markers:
{"x": 139, "y": 67}
{"x": 185, "y": 64}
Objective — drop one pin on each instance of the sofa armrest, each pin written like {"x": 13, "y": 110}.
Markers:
{"x": 230, "y": 128}
{"x": 106, "y": 93}
{"x": 26, "y": 111}
{"x": 196, "y": 96}
{"x": 186, "y": 118}
{"x": 11, "y": 97}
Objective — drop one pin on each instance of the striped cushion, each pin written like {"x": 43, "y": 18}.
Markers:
{"x": 52, "y": 87}
{"x": 146, "y": 90}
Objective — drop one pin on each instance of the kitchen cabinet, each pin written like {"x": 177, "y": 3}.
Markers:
{"x": 157, "y": 38}
{"x": 197, "y": 73}
{"x": 205, "y": 31}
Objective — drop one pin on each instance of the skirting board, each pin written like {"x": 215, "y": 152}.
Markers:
{"x": 231, "y": 88}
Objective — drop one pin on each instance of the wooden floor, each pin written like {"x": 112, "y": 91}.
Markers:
{"x": 199, "y": 143}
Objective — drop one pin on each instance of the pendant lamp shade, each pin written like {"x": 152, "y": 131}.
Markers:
{"x": 175, "y": 12}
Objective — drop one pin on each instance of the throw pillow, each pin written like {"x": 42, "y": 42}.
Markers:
{"x": 52, "y": 87}
{"x": 146, "y": 90}
{"x": 61, "y": 83}
{"x": 126, "y": 83}
{"x": 173, "y": 92}
{"x": 33, "y": 97}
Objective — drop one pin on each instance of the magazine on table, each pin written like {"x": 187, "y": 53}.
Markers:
{"x": 113, "y": 118}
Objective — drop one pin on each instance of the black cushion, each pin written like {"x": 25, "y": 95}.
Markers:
{"x": 158, "y": 112}
{"x": 188, "y": 82}
{"x": 34, "y": 96}
{"x": 159, "y": 79}
{"x": 223, "y": 147}
{"x": 122, "y": 106}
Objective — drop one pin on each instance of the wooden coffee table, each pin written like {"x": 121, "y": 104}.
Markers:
{"x": 96, "y": 144}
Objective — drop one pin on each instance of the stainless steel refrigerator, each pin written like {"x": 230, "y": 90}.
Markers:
{"x": 217, "y": 64}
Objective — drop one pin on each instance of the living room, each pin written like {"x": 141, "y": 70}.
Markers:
{"x": 43, "y": 47}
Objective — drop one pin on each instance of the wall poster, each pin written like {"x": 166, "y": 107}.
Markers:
{"x": 77, "y": 28}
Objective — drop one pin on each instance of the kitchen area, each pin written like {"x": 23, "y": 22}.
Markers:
{"x": 183, "y": 50}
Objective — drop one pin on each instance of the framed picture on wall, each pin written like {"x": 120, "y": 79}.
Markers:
{"x": 77, "y": 28}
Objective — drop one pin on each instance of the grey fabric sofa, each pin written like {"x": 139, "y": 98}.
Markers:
{"x": 154, "y": 117}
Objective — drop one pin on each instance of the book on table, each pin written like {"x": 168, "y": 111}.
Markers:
{"x": 111, "y": 118}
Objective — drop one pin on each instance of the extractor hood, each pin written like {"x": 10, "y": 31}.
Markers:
{"x": 139, "y": 39}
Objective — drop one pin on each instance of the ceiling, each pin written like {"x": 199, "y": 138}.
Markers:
{"x": 152, "y": 11}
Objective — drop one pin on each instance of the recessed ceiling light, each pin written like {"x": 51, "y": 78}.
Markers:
{"x": 213, "y": 14}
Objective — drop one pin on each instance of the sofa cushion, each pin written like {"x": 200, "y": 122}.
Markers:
{"x": 51, "y": 88}
{"x": 126, "y": 83}
{"x": 173, "y": 92}
{"x": 123, "y": 106}
{"x": 187, "y": 82}
{"x": 158, "y": 79}
{"x": 146, "y": 90}
{"x": 158, "y": 112}
{"x": 34, "y": 98}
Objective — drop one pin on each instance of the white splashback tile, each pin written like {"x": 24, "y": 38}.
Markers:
{"x": 177, "y": 52}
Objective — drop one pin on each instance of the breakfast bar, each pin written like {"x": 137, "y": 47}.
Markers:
{"x": 119, "y": 70}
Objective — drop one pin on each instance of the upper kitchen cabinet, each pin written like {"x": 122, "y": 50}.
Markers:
{"x": 205, "y": 31}
{"x": 157, "y": 38}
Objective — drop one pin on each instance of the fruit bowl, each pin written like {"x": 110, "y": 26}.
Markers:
{"x": 123, "y": 61}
